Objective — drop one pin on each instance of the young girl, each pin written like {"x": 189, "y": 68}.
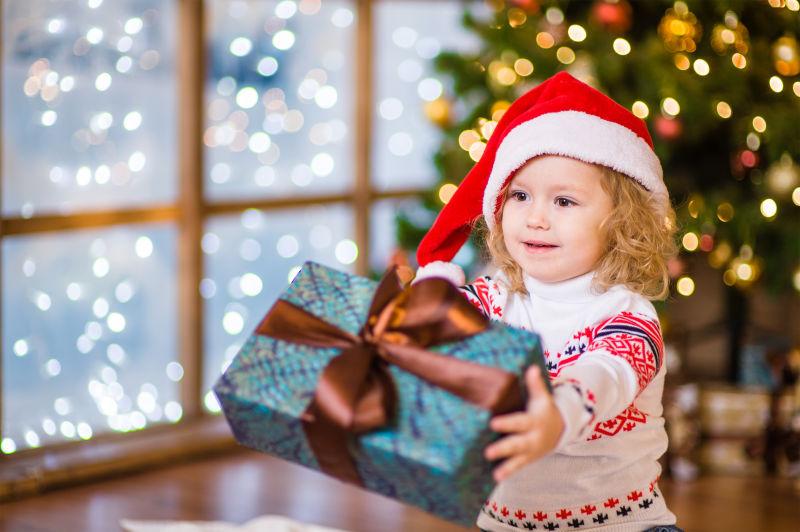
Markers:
{"x": 579, "y": 222}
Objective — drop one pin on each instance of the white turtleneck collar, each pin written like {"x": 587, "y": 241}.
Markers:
{"x": 575, "y": 290}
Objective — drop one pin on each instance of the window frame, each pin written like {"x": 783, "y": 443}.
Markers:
{"x": 198, "y": 433}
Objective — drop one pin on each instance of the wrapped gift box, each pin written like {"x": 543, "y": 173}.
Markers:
{"x": 429, "y": 451}
{"x": 729, "y": 456}
{"x": 734, "y": 428}
{"x": 733, "y": 411}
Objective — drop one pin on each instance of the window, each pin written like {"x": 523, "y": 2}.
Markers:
{"x": 89, "y": 316}
{"x": 161, "y": 185}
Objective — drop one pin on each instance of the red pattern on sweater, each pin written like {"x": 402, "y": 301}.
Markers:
{"x": 484, "y": 294}
{"x": 624, "y": 422}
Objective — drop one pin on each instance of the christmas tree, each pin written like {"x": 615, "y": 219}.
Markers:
{"x": 716, "y": 81}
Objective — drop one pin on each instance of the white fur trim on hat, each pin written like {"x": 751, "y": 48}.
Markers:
{"x": 447, "y": 270}
{"x": 581, "y": 136}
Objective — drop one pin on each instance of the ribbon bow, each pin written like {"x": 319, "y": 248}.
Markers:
{"x": 355, "y": 392}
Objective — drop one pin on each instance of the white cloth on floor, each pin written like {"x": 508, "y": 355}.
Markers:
{"x": 265, "y": 523}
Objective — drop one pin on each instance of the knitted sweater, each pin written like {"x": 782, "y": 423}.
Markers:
{"x": 605, "y": 356}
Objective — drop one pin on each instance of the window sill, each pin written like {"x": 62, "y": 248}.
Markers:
{"x": 38, "y": 470}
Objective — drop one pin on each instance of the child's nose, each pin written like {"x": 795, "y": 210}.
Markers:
{"x": 537, "y": 217}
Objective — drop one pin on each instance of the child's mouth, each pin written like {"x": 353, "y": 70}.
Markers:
{"x": 539, "y": 247}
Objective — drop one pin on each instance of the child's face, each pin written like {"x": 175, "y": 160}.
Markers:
{"x": 552, "y": 215}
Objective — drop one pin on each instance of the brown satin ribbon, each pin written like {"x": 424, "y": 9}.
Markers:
{"x": 355, "y": 392}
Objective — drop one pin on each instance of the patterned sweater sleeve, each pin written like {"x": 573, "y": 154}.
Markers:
{"x": 487, "y": 295}
{"x": 623, "y": 355}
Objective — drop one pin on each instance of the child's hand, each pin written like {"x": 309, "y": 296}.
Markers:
{"x": 536, "y": 431}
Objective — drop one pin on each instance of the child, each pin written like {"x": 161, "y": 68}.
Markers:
{"x": 579, "y": 223}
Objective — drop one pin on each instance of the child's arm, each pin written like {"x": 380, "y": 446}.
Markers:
{"x": 623, "y": 357}
{"x": 535, "y": 432}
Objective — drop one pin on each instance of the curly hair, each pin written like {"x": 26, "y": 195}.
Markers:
{"x": 639, "y": 240}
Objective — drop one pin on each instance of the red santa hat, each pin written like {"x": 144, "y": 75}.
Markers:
{"x": 560, "y": 116}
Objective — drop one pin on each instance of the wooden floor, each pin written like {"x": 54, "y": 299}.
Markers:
{"x": 241, "y": 486}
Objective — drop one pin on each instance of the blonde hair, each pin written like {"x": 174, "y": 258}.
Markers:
{"x": 639, "y": 240}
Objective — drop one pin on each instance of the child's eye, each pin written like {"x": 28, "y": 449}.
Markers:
{"x": 564, "y": 202}
{"x": 519, "y": 195}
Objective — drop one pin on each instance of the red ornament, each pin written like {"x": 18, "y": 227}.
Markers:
{"x": 668, "y": 128}
{"x": 706, "y": 243}
{"x": 749, "y": 159}
{"x": 530, "y": 6}
{"x": 614, "y": 16}
{"x": 737, "y": 168}
{"x": 675, "y": 267}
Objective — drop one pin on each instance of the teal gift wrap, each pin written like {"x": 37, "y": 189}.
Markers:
{"x": 391, "y": 389}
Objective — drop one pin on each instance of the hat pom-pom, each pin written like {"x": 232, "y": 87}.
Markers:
{"x": 446, "y": 270}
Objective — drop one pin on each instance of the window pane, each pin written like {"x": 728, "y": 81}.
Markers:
{"x": 88, "y": 105}
{"x": 384, "y": 248}
{"x": 279, "y": 98}
{"x": 408, "y": 36}
{"x": 89, "y": 333}
{"x": 250, "y": 260}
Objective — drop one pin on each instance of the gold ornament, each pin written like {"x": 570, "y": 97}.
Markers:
{"x": 720, "y": 255}
{"x": 696, "y": 205}
{"x": 743, "y": 271}
{"x": 487, "y": 128}
{"x": 502, "y": 74}
{"x": 725, "y": 212}
{"x": 523, "y": 67}
{"x": 739, "y": 61}
{"x": 439, "y": 112}
{"x": 679, "y": 29}
{"x": 446, "y": 192}
{"x": 496, "y": 5}
{"x": 731, "y": 35}
{"x": 467, "y": 138}
{"x": 682, "y": 62}
{"x": 476, "y": 150}
{"x": 499, "y": 108}
{"x": 783, "y": 175}
{"x": 786, "y": 56}
{"x": 545, "y": 40}
{"x": 516, "y": 17}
